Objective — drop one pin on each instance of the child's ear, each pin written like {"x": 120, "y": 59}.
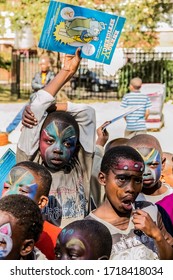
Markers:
{"x": 102, "y": 178}
{"x": 43, "y": 201}
{"x": 27, "y": 247}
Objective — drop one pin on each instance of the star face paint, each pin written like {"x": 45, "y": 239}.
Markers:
{"x": 153, "y": 166}
{"x": 6, "y": 242}
{"x": 57, "y": 144}
{"x": 20, "y": 181}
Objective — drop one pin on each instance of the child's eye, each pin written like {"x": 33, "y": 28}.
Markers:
{"x": 50, "y": 141}
{"x": 121, "y": 178}
{"x": 23, "y": 191}
{"x": 2, "y": 243}
{"x": 6, "y": 186}
{"x": 67, "y": 144}
{"x": 58, "y": 255}
{"x": 138, "y": 180}
{"x": 154, "y": 164}
{"x": 73, "y": 257}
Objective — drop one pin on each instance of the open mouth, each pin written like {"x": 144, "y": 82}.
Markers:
{"x": 127, "y": 204}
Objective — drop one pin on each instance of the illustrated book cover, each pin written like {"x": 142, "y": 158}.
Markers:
{"x": 7, "y": 161}
{"x": 68, "y": 27}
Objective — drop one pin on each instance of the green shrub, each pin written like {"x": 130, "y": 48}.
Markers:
{"x": 152, "y": 71}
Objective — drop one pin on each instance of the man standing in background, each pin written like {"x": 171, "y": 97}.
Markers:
{"x": 40, "y": 80}
{"x": 45, "y": 75}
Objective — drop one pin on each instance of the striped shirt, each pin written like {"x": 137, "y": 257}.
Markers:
{"x": 136, "y": 120}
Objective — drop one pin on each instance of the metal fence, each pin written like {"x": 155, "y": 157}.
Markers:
{"x": 24, "y": 67}
{"x": 90, "y": 81}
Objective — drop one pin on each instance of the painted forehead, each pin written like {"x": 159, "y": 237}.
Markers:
{"x": 58, "y": 122}
{"x": 129, "y": 165}
{"x": 60, "y": 127}
{"x": 149, "y": 153}
{"x": 66, "y": 232}
{"x": 20, "y": 173}
{"x": 71, "y": 232}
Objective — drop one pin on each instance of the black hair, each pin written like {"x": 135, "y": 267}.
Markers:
{"x": 42, "y": 172}
{"x": 98, "y": 234}
{"x": 116, "y": 142}
{"x": 27, "y": 213}
{"x": 113, "y": 155}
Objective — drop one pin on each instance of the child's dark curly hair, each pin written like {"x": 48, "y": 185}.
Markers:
{"x": 27, "y": 213}
{"x": 113, "y": 155}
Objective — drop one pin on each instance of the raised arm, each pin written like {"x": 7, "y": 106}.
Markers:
{"x": 71, "y": 64}
{"x": 29, "y": 139}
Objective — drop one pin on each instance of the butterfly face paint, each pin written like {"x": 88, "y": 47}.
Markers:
{"x": 6, "y": 243}
{"x": 20, "y": 181}
{"x": 57, "y": 144}
{"x": 153, "y": 166}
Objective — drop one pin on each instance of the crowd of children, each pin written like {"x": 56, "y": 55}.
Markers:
{"x": 74, "y": 197}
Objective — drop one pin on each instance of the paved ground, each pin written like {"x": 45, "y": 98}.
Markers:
{"x": 104, "y": 111}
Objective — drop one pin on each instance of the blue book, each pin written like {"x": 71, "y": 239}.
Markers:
{"x": 7, "y": 161}
{"x": 68, "y": 27}
{"x": 126, "y": 113}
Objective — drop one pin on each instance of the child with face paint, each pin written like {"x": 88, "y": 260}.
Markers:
{"x": 150, "y": 149}
{"x": 153, "y": 190}
{"x": 20, "y": 227}
{"x": 64, "y": 142}
{"x": 121, "y": 173}
{"x": 34, "y": 181}
{"x": 84, "y": 240}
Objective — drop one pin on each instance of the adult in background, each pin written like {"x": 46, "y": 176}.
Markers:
{"x": 44, "y": 76}
{"x": 136, "y": 121}
{"x": 39, "y": 81}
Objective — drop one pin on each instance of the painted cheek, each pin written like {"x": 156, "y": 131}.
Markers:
{"x": 154, "y": 175}
{"x": 159, "y": 167}
{"x": 68, "y": 153}
{"x": 5, "y": 237}
{"x": 43, "y": 144}
{"x": 43, "y": 148}
{"x": 158, "y": 172}
{"x": 33, "y": 191}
